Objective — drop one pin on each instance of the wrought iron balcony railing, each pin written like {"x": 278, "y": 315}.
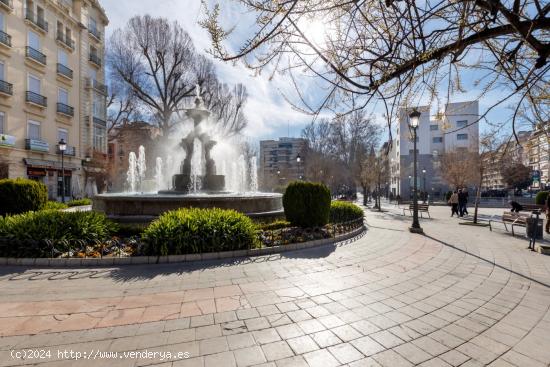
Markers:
{"x": 36, "y": 99}
{"x": 6, "y": 88}
{"x": 36, "y": 55}
{"x": 95, "y": 32}
{"x": 70, "y": 150}
{"x": 65, "y": 109}
{"x": 64, "y": 39}
{"x": 38, "y": 21}
{"x": 95, "y": 59}
{"x": 96, "y": 85}
{"x": 65, "y": 71}
{"x": 7, "y": 4}
{"x": 5, "y": 38}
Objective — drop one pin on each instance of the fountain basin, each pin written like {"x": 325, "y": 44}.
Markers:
{"x": 143, "y": 208}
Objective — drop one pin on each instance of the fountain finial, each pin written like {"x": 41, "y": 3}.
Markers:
{"x": 198, "y": 98}
{"x": 198, "y": 90}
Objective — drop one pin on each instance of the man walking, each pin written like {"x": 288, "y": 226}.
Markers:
{"x": 461, "y": 199}
{"x": 465, "y": 202}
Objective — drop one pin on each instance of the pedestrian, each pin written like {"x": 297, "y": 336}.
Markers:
{"x": 461, "y": 199}
{"x": 454, "y": 204}
{"x": 547, "y": 207}
{"x": 516, "y": 207}
{"x": 466, "y": 197}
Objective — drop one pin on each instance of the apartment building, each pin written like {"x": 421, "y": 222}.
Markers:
{"x": 281, "y": 161}
{"x": 51, "y": 88}
{"x": 454, "y": 128}
{"x": 538, "y": 156}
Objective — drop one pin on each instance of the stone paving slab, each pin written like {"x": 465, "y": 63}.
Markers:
{"x": 459, "y": 296}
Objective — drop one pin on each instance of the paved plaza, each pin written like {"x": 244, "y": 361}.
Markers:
{"x": 459, "y": 296}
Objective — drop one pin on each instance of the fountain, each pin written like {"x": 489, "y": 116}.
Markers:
{"x": 197, "y": 182}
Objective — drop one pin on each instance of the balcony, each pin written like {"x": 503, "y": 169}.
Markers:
{"x": 37, "y": 145}
{"x": 36, "y": 99}
{"x": 6, "y": 88}
{"x": 99, "y": 121}
{"x": 95, "y": 33}
{"x": 64, "y": 109}
{"x": 5, "y": 39}
{"x": 65, "y": 41}
{"x": 6, "y": 4}
{"x": 64, "y": 71}
{"x": 97, "y": 86}
{"x": 37, "y": 22}
{"x": 94, "y": 58}
{"x": 35, "y": 55}
{"x": 70, "y": 151}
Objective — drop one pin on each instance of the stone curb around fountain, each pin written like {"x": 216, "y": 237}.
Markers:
{"x": 141, "y": 260}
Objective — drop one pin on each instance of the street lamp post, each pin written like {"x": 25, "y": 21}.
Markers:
{"x": 424, "y": 184}
{"x": 62, "y": 148}
{"x": 414, "y": 120}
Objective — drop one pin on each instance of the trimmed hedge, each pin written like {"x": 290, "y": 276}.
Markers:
{"x": 341, "y": 211}
{"x": 194, "y": 230}
{"x": 24, "y": 235}
{"x": 540, "y": 199}
{"x": 307, "y": 204}
{"x": 54, "y": 205}
{"x": 21, "y": 195}
{"x": 79, "y": 202}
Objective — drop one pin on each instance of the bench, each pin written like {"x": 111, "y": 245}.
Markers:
{"x": 422, "y": 208}
{"x": 532, "y": 207}
{"x": 513, "y": 219}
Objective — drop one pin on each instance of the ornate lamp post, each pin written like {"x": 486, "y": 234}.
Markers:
{"x": 62, "y": 148}
{"x": 414, "y": 121}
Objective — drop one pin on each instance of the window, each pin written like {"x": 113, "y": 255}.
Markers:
{"x": 462, "y": 137}
{"x": 33, "y": 130}
{"x": 63, "y": 134}
{"x": 438, "y": 139}
{"x": 411, "y": 151}
{"x": 2, "y": 72}
{"x": 63, "y": 96}
{"x": 34, "y": 40}
{"x": 99, "y": 107}
{"x": 99, "y": 137}
{"x": 93, "y": 24}
{"x": 34, "y": 84}
{"x": 462, "y": 123}
{"x": 92, "y": 73}
{"x": 62, "y": 58}
{"x": 2, "y": 127}
{"x": 2, "y": 22}
{"x": 434, "y": 127}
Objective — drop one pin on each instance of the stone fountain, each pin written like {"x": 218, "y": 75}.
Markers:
{"x": 197, "y": 184}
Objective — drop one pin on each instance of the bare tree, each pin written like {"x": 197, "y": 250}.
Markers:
{"x": 459, "y": 167}
{"x": 396, "y": 50}
{"x": 227, "y": 105}
{"x": 122, "y": 107}
{"x": 157, "y": 61}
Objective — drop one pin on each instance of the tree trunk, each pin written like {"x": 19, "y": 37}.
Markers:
{"x": 478, "y": 198}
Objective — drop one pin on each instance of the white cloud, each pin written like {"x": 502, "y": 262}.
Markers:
{"x": 266, "y": 110}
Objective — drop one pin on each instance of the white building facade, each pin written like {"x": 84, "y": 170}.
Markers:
{"x": 454, "y": 128}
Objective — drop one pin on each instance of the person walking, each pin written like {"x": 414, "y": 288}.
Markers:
{"x": 547, "y": 207}
{"x": 516, "y": 207}
{"x": 454, "y": 204}
{"x": 461, "y": 199}
{"x": 465, "y": 201}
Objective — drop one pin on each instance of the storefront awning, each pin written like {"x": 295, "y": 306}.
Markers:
{"x": 37, "y": 163}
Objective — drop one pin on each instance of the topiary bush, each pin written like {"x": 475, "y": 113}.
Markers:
{"x": 541, "y": 197}
{"x": 194, "y": 230}
{"x": 307, "y": 204}
{"x": 25, "y": 235}
{"x": 21, "y": 195}
{"x": 341, "y": 211}
{"x": 79, "y": 202}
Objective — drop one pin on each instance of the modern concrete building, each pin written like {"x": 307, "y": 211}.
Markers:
{"x": 452, "y": 129}
{"x": 279, "y": 163}
{"x": 52, "y": 88}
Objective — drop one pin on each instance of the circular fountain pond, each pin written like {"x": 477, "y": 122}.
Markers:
{"x": 143, "y": 208}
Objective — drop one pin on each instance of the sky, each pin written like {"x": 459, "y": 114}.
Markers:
{"x": 269, "y": 114}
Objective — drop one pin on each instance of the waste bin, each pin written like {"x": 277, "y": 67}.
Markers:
{"x": 534, "y": 226}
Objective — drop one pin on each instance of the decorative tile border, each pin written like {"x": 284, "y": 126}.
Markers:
{"x": 115, "y": 261}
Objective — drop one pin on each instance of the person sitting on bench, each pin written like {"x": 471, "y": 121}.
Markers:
{"x": 516, "y": 207}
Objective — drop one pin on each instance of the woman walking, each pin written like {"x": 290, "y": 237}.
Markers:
{"x": 454, "y": 204}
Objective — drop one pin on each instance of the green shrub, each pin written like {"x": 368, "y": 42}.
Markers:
{"x": 79, "y": 202}
{"x": 275, "y": 225}
{"x": 541, "y": 197}
{"x": 195, "y": 230}
{"x": 341, "y": 211}
{"x": 21, "y": 195}
{"x": 54, "y": 205}
{"x": 25, "y": 233}
{"x": 307, "y": 204}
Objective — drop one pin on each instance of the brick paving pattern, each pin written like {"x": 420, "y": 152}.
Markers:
{"x": 460, "y": 296}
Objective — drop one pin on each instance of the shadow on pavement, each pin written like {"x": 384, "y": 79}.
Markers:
{"x": 489, "y": 262}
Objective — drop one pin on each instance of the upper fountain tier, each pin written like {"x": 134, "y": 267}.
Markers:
{"x": 199, "y": 113}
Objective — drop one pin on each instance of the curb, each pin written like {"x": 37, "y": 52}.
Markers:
{"x": 140, "y": 260}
